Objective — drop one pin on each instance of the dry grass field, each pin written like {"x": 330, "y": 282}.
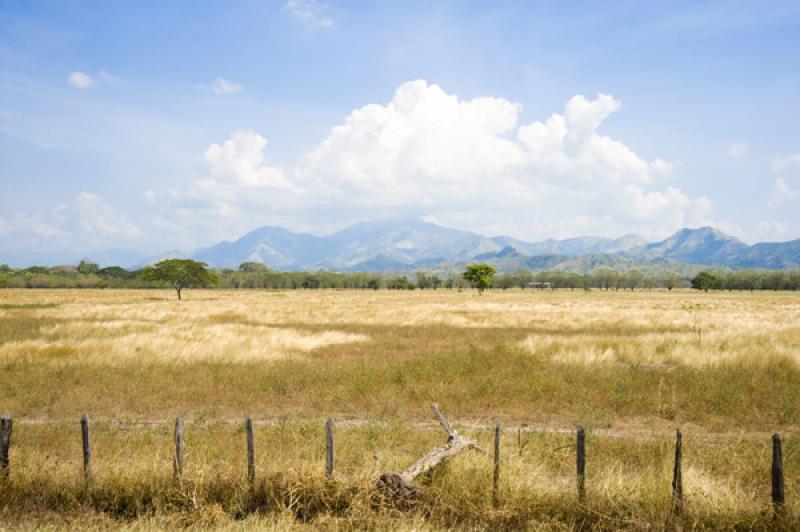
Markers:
{"x": 630, "y": 367}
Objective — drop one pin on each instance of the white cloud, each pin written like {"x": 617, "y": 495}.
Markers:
{"x": 110, "y": 79}
{"x": 782, "y": 192}
{"x": 737, "y": 150}
{"x": 469, "y": 162}
{"x": 80, "y": 80}
{"x": 310, "y": 13}
{"x": 84, "y": 223}
{"x": 240, "y": 159}
{"x": 96, "y": 219}
{"x": 782, "y": 163}
{"x": 225, "y": 86}
{"x": 466, "y": 162}
{"x": 772, "y": 231}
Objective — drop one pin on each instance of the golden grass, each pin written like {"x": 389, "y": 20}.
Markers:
{"x": 629, "y": 366}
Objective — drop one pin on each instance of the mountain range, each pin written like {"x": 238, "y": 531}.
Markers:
{"x": 408, "y": 245}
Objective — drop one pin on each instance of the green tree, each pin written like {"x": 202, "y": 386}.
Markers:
{"x": 312, "y": 281}
{"x": 180, "y": 273}
{"x": 706, "y": 281}
{"x": 87, "y": 267}
{"x": 480, "y": 276}
{"x": 253, "y": 267}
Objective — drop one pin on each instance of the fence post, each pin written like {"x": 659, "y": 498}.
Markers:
{"x": 778, "y": 494}
{"x": 677, "y": 475}
{"x": 87, "y": 449}
{"x": 5, "y": 443}
{"x": 329, "y": 448}
{"x": 496, "y": 477}
{"x": 177, "y": 464}
{"x": 581, "y": 464}
{"x": 251, "y": 460}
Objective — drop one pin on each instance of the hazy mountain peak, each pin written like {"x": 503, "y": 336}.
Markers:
{"x": 408, "y": 244}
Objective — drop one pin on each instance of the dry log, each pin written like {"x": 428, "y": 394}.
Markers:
{"x": 401, "y": 485}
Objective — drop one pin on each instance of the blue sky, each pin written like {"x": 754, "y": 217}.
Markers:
{"x": 154, "y": 126}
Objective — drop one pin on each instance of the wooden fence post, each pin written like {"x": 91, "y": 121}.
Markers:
{"x": 5, "y": 443}
{"x": 177, "y": 464}
{"x": 778, "y": 494}
{"x": 496, "y": 476}
{"x": 329, "y": 448}
{"x": 87, "y": 449}
{"x": 677, "y": 474}
{"x": 581, "y": 464}
{"x": 251, "y": 460}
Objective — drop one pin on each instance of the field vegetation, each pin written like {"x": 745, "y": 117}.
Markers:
{"x": 629, "y": 366}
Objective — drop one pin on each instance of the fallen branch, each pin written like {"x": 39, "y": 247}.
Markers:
{"x": 401, "y": 485}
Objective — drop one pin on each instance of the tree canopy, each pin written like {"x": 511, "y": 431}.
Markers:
{"x": 480, "y": 276}
{"x": 180, "y": 273}
{"x": 706, "y": 281}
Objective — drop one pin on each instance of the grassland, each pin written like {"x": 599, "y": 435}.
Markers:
{"x": 631, "y": 367}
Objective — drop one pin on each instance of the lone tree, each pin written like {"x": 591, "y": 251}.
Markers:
{"x": 480, "y": 276}
{"x": 180, "y": 273}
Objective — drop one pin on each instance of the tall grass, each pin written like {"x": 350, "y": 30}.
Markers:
{"x": 630, "y": 367}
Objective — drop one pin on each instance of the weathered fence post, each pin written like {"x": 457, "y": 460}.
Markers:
{"x": 251, "y": 460}
{"x": 581, "y": 464}
{"x": 329, "y": 448}
{"x": 778, "y": 495}
{"x": 496, "y": 477}
{"x": 5, "y": 443}
{"x": 87, "y": 449}
{"x": 677, "y": 475}
{"x": 177, "y": 464}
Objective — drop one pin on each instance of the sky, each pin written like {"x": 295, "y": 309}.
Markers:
{"x": 146, "y": 127}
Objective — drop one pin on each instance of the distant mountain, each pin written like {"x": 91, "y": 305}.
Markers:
{"x": 405, "y": 241}
{"x": 705, "y": 245}
{"x": 768, "y": 255}
{"x": 274, "y": 246}
{"x": 408, "y": 245}
{"x": 575, "y": 247}
{"x": 711, "y": 246}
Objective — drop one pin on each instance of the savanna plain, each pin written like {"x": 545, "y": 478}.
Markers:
{"x": 630, "y": 367}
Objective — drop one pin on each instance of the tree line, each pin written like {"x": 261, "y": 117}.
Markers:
{"x": 251, "y": 275}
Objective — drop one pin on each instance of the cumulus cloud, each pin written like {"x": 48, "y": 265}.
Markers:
{"x": 309, "y": 12}
{"x": 240, "y": 159}
{"x": 467, "y": 162}
{"x": 224, "y": 86}
{"x": 80, "y": 80}
{"x": 432, "y": 152}
{"x": 737, "y": 150}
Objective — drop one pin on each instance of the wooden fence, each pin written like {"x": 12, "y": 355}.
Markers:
{"x": 777, "y": 488}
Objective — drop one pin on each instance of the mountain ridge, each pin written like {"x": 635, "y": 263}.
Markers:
{"x": 413, "y": 244}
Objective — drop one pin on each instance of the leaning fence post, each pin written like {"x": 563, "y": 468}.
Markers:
{"x": 329, "y": 447}
{"x": 677, "y": 475}
{"x": 5, "y": 443}
{"x": 87, "y": 449}
{"x": 251, "y": 462}
{"x": 581, "y": 464}
{"x": 496, "y": 477}
{"x": 177, "y": 464}
{"x": 778, "y": 494}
